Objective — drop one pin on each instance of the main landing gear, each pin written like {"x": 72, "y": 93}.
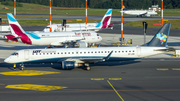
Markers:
{"x": 87, "y": 67}
{"x": 22, "y": 66}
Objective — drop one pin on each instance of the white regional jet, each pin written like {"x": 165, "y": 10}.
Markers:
{"x": 140, "y": 13}
{"x": 71, "y": 58}
{"x": 104, "y": 23}
{"x": 52, "y": 38}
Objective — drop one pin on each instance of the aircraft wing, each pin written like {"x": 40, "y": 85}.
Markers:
{"x": 89, "y": 60}
{"x": 143, "y": 13}
{"x": 65, "y": 41}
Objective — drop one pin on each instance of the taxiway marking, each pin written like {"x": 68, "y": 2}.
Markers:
{"x": 115, "y": 90}
{"x": 28, "y": 73}
{"x": 35, "y": 87}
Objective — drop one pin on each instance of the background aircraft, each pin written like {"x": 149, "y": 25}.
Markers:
{"x": 70, "y": 58}
{"x": 104, "y": 23}
{"x": 140, "y": 13}
{"x": 52, "y": 38}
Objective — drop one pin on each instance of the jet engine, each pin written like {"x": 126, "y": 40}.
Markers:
{"x": 70, "y": 65}
{"x": 82, "y": 44}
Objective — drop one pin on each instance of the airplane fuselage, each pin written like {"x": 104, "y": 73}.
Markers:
{"x": 57, "y": 38}
{"x": 57, "y": 55}
{"x": 140, "y": 12}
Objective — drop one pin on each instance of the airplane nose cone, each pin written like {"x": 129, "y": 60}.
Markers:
{"x": 7, "y": 60}
{"x": 100, "y": 38}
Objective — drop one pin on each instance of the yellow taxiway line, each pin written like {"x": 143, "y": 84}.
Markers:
{"x": 115, "y": 90}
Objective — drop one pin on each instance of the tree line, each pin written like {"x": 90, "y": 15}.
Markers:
{"x": 105, "y": 4}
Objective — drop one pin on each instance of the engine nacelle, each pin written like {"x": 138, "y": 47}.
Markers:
{"x": 82, "y": 44}
{"x": 148, "y": 15}
{"x": 69, "y": 65}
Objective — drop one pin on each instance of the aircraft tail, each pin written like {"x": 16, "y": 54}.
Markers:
{"x": 15, "y": 26}
{"x": 106, "y": 20}
{"x": 124, "y": 8}
{"x": 161, "y": 37}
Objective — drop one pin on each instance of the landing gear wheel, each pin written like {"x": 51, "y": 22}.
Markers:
{"x": 22, "y": 66}
{"x": 88, "y": 68}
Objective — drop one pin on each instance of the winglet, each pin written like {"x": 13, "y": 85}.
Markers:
{"x": 107, "y": 58}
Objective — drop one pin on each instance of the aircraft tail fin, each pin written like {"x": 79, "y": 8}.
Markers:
{"x": 15, "y": 26}
{"x": 161, "y": 37}
{"x": 124, "y": 8}
{"x": 106, "y": 20}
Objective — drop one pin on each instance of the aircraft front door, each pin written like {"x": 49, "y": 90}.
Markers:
{"x": 138, "y": 51}
{"x": 26, "y": 54}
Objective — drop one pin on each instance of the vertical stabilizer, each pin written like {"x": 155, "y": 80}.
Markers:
{"x": 124, "y": 8}
{"x": 161, "y": 37}
{"x": 15, "y": 26}
{"x": 106, "y": 20}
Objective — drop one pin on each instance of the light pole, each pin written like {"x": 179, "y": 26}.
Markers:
{"x": 15, "y": 9}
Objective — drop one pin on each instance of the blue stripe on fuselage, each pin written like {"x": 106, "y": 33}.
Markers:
{"x": 33, "y": 35}
{"x": 59, "y": 60}
{"x": 98, "y": 24}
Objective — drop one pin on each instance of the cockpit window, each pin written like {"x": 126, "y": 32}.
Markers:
{"x": 47, "y": 27}
{"x": 15, "y": 53}
{"x": 97, "y": 34}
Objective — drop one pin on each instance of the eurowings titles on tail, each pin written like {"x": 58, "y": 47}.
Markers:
{"x": 70, "y": 58}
